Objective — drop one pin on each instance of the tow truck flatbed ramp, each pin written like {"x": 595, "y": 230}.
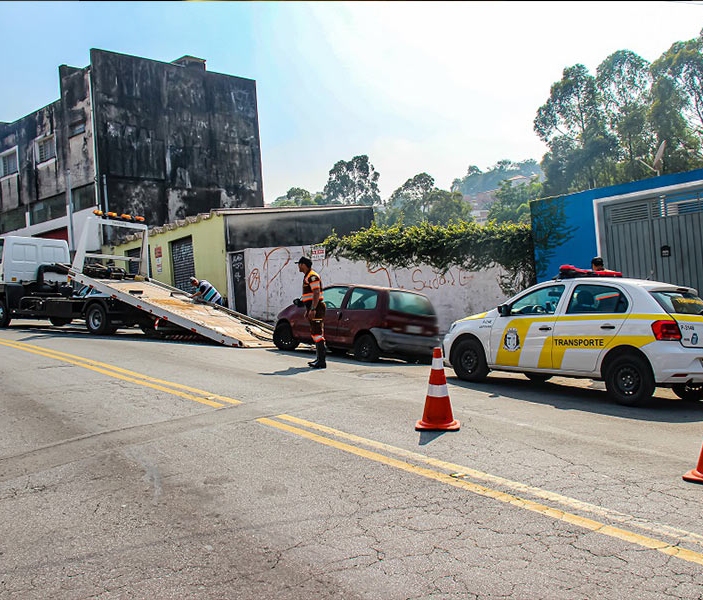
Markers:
{"x": 217, "y": 323}
{"x": 166, "y": 303}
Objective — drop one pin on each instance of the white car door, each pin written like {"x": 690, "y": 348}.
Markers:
{"x": 521, "y": 333}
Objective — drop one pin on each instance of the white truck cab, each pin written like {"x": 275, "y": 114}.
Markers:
{"x": 20, "y": 258}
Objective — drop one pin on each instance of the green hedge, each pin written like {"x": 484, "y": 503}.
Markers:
{"x": 464, "y": 244}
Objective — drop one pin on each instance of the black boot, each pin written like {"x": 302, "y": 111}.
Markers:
{"x": 319, "y": 362}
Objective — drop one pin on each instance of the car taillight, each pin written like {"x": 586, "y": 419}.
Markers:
{"x": 666, "y": 330}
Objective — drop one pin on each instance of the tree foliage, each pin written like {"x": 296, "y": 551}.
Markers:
{"x": 353, "y": 182}
{"x": 513, "y": 202}
{"x": 607, "y": 129}
{"x": 476, "y": 181}
{"x": 418, "y": 200}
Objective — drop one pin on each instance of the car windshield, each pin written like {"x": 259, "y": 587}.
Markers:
{"x": 413, "y": 304}
{"x": 676, "y": 302}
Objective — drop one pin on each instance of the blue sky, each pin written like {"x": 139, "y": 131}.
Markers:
{"x": 417, "y": 86}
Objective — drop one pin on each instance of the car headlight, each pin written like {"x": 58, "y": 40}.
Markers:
{"x": 453, "y": 326}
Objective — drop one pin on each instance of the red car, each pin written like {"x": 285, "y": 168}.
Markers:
{"x": 371, "y": 321}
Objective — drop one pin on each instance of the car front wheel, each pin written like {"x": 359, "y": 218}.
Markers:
{"x": 469, "y": 361}
{"x": 629, "y": 380}
{"x": 283, "y": 337}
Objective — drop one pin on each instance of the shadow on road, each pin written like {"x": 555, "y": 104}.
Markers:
{"x": 585, "y": 395}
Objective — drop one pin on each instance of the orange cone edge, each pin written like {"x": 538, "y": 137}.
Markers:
{"x": 437, "y": 415}
{"x": 696, "y": 475}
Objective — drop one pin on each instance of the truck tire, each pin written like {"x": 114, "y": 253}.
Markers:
{"x": 96, "y": 320}
{"x": 59, "y": 321}
{"x": 4, "y": 315}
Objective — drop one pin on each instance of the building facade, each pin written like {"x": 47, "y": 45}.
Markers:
{"x": 131, "y": 135}
{"x": 648, "y": 229}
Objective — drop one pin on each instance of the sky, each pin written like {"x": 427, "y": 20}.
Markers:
{"x": 418, "y": 87}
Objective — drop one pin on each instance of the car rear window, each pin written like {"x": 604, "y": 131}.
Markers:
{"x": 413, "y": 304}
{"x": 683, "y": 303}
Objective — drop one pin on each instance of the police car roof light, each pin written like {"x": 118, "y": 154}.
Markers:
{"x": 570, "y": 271}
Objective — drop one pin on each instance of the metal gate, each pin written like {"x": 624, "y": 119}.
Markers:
{"x": 183, "y": 263}
{"x": 658, "y": 238}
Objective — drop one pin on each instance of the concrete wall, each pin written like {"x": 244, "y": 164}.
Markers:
{"x": 273, "y": 281}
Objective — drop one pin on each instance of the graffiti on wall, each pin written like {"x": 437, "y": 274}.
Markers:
{"x": 273, "y": 281}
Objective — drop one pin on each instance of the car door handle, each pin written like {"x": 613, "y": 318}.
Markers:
{"x": 607, "y": 326}
{"x": 545, "y": 328}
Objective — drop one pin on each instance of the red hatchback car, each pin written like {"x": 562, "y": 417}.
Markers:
{"x": 371, "y": 321}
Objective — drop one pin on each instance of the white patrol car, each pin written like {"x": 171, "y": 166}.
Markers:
{"x": 633, "y": 334}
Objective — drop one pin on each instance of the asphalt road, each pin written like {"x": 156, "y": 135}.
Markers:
{"x": 132, "y": 468}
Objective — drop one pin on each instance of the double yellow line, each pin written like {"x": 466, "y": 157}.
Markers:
{"x": 177, "y": 389}
{"x": 457, "y": 476}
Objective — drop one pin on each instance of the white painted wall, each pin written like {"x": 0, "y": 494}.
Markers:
{"x": 273, "y": 281}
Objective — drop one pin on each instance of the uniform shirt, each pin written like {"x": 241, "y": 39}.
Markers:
{"x": 311, "y": 282}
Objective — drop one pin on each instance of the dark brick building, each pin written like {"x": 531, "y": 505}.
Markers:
{"x": 131, "y": 135}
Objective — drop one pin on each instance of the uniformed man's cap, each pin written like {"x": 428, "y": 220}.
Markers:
{"x": 304, "y": 260}
{"x": 597, "y": 261}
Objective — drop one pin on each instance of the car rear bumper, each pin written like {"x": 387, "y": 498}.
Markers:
{"x": 674, "y": 363}
{"x": 392, "y": 342}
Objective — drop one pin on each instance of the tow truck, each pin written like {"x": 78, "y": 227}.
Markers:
{"x": 112, "y": 297}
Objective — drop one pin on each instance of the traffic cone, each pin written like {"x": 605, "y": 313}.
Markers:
{"x": 696, "y": 475}
{"x": 438, "y": 410}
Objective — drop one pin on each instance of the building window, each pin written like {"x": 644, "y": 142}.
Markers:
{"x": 48, "y": 209}
{"x": 76, "y": 129}
{"x": 83, "y": 197}
{"x": 12, "y": 220}
{"x": 45, "y": 149}
{"x": 8, "y": 162}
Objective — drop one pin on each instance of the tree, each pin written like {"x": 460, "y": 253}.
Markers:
{"x": 294, "y": 197}
{"x": 513, "y": 203}
{"x": 418, "y": 201}
{"x": 573, "y": 124}
{"x": 353, "y": 182}
{"x": 625, "y": 84}
{"x": 677, "y": 108}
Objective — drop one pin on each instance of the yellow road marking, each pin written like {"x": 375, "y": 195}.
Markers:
{"x": 198, "y": 395}
{"x": 584, "y": 522}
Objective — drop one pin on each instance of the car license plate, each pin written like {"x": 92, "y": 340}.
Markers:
{"x": 415, "y": 329}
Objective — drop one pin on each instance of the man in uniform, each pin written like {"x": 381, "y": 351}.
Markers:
{"x": 315, "y": 308}
{"x": 597, "y": 264}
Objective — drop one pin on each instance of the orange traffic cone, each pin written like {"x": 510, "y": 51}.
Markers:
{"x": 438, "y": 410}
{"x": 696, "y": 475}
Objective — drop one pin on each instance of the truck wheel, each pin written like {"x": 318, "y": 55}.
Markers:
{"x": 469, "y": 361}
{"x": 4, "y": 315}
{"x": 629, "y": 380}
{"x": 59, "y": 321}
{"x": 96, "y": 320}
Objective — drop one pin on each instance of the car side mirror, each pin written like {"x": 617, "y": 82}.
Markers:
{"x": 504, "y": 310}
